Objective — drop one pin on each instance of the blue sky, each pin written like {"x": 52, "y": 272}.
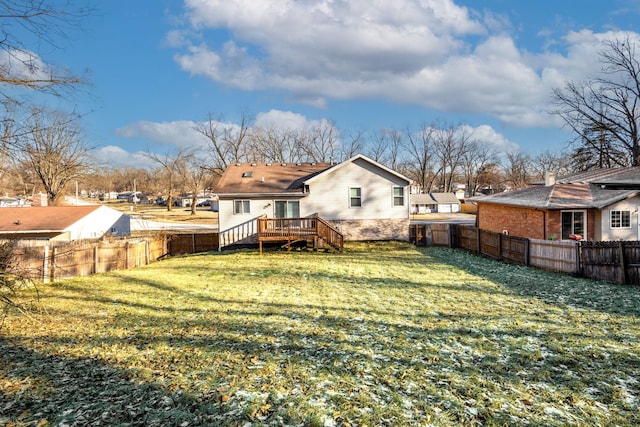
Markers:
{"x": 157, "y": 67}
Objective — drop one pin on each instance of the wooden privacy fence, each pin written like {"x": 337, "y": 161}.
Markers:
{"x": 50, "y": 261}
{"x": 193, "y": 243}
{"x": 617, "y": 262}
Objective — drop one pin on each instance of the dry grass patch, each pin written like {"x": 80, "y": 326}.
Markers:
{"x": 381, "y": 334}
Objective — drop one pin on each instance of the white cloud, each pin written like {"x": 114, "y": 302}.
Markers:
{"x": 281, "y": 120}
{"x": 119, "y": 158}
{"x": 22, "y": 64}
{"x": 487, "y": 135}
{"x": 181, "y": 134}
{"x": 431, "y": 53}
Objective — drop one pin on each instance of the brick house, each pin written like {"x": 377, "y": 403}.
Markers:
{"x": 596, "y": 205}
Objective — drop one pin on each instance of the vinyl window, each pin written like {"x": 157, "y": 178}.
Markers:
{"x": 241, "y": 207}
{"x": 620, "y": 219}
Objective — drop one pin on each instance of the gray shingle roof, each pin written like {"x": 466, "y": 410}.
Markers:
{"x": 560, "y": 196}
{"x": 626, "y": 177}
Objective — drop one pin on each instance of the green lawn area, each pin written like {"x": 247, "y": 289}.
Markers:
{"x": 378, "y": 335}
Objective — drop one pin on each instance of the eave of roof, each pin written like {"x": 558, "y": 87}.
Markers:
{"x": 560, "y": 196}
{"x": 354, "y": 159}
{"x": 37, "y": 218}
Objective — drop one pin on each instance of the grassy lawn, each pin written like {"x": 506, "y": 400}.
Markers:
{"x": 379, "y": 335}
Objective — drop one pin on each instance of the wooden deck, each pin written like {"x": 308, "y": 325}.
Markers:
{"x": 289, "y": 230}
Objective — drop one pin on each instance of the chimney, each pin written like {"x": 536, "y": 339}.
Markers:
{"x": 549, "y": 178}
{"x": 39, "y": 200}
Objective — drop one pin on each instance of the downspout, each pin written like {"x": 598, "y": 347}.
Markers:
{"x": 544, "y": 222}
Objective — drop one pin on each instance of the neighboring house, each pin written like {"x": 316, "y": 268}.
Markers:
{"x": 446, "y": 202}
{"x": 8, "y": 202}
{"x": 434, "y": 202}
{"x": 597, "y": 205}
{"x": 62, "y": 223}
{"x": 361, "y": 198}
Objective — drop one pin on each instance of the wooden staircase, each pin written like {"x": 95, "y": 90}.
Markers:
{"x": 315, "y": 229}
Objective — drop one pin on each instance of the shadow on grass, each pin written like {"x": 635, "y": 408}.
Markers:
{"x": 553, "y": 288}
{"x": 383, "y": 366}
{"x": 69, "y": 391}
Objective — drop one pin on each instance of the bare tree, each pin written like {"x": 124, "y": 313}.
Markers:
{"x": 516, "y": 170}
{"x": 352, "y": 146}
{"x": 604, "y": 111}
{"x": 279, "y": 145}
{"x": 194, "y": 174}
{"x": 228, "y": 143}
{"x": 450, "y": 146}
{"x": 170, "y": 166}
{"x": 421, "y": 153}
{"x": 386, "y": 147}
{"x": 474, "y": 162}
{"x": 321, "y": 144}
{"x": 53, "y": 147}
{"x": 28, "y": 25}
{"x": 548, "y": 161}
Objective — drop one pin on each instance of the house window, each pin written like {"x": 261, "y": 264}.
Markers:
{"x": 398, "y": 196}
{"x": 241, "y": 207}
{"x": 573, "y": 222}
{"x": 287, "y": 209}
{"x": 620, "y": 219}
{"x": 355, "y": 197}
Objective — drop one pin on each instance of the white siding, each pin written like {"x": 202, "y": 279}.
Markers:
{"x": 329, "y": 195}
{"x": 257, "y": 208}
{"x": 608, "y": 233}
{"x": 98, "y": 223}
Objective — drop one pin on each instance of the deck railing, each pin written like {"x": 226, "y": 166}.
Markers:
{"x": 292, "y": 229}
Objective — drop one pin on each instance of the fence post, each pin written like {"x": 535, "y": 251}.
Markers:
{"x": 95, "y": 259}
{"x": 54, "y": 254}
{"x": 579, "y": 265}
{"x": 45, "y": 265}
{"x": 127, "y": 255}
{"x": 623, "y": 266}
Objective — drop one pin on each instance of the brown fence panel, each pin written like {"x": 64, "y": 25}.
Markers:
{"x": 602, "y": 261}
{"x": 555, "y": 255}
{"x": 514, "y": 249}
{"x": 490, "y": 243}
{"x": 193, "y": 243}
{"x": 29, "y": 261}
{"x": 632, "y": 262}
{"x": 467, "y": 237}
{"x": 440, "y": 234}
{"x": 72, "y": 260}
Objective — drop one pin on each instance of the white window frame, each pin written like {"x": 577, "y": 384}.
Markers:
{"x": 394, "y": 197}
{"x": 245, "y": 207}
{"x": 359, "y": 197}
{"x": 620, "y": 219}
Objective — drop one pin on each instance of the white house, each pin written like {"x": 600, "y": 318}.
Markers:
{"x": 434, "y": 202}
{"x": 62, "y": 223}
{"x": 361, "y": 198}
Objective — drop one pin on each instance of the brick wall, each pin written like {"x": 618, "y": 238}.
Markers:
{"x": 517, "y": 221}
{"x": 527, "y": 222}
{"x": 374, "y": 229}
